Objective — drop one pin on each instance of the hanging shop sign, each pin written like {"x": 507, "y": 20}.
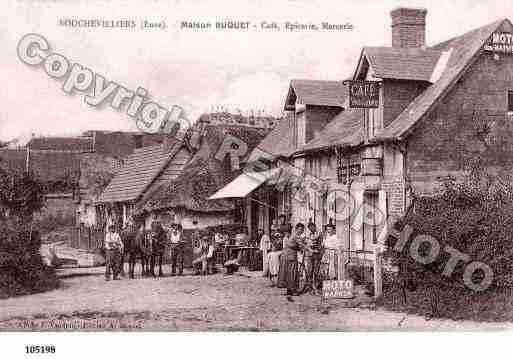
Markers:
{"x": 339, "y": 289}
{"x": 342, "y": 175}
{"x": 500, "y": 42}
{"x": 346, "y": 170}
{"x": 363, "y": 94}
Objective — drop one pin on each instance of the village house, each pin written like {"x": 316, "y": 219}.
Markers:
{"x": 110, "y": 150}
{"x": 171, "y": 182}
{"x": 184, "y": 199}
{"x": 143, "y": 170}
{"x": 55, "y": 162}
{"x": 442, "y": 110}
{"x": 310, "y": 106}
{"x": 72, "y": 170}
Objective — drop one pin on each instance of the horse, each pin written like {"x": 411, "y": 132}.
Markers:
{"x": 158, "y": 246}
{"x": 137, "y": 246}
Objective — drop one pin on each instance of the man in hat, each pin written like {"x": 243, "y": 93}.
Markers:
{"x": 113, "y": 248}
{"x": 176, "y": 245}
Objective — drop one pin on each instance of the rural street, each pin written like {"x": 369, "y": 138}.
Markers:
{"x": 242, "y": 301}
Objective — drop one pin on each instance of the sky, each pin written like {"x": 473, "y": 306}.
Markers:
{"x": 199, "y": 70}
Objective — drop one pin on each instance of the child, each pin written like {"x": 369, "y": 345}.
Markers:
{"x": 273, "y": 258}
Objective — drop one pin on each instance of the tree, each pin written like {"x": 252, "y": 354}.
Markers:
{"x": 20, "y": 195}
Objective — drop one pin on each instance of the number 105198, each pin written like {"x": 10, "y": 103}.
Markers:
{"x": 39, "y": 349}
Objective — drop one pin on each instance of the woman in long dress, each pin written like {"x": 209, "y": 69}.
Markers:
{"x": 288, "y": 275}
{"x": 331, "y": 247}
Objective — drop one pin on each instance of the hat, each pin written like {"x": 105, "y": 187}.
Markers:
{"x": 176, "y": 226}
{"x": 330, "y": 225}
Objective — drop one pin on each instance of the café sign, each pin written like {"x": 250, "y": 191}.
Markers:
{"x": 363, "y": 94}
{"x": 500, "y": 42}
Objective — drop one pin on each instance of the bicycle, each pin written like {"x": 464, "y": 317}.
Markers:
{"x": 312, "y": 282}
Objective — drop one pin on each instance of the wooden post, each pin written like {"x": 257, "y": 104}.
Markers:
{"x": 341, "y": 265}
{"x": 378, "y": 272}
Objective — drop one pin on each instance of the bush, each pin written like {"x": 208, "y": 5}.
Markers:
{"x": 54, "y": 222}
{"x": 475, "y": 220}
{"x": 22, "y": 270}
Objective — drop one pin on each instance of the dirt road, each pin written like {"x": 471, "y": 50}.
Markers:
{"x": 239, "y": 302}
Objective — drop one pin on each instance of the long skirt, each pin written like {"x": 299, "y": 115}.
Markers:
{"x": 265, "y": 261}
{"x": 330, "y": 261}
{"x": 287, "y": 277}
{"x": 274, "y": 262}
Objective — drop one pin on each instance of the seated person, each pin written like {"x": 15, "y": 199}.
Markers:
{"x": 200, "y": 251}
{"x": 241, "y": 239}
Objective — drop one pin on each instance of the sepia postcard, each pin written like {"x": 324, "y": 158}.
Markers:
{"x": 242, "y": 166}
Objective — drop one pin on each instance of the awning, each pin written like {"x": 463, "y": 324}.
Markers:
{"x": 246, "y": 183}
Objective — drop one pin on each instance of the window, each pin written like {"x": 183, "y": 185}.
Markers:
{"x": 510, "y": 101}
{"x": 300, "y": 123}
{"x": 373, "y": 123}
{"x": 138, "y": 141}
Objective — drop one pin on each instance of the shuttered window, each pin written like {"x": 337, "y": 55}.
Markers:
{"x": 510, "y": 101}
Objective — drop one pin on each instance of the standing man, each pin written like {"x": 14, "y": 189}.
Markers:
{"x": 113, "y": 248}
{"x": 176, "y": 245}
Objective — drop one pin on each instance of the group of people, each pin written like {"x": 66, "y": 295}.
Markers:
{"x": 281, "y": 251}
{"x": 149, "y": 245}
{"x": 286, "y": 246}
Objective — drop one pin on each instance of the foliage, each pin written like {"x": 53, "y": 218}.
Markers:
{"x": 474, "y": 217}
{"x": 22, "y": 270}
{"x": 20, "y": 195}
{"x": 54, "y": 221}
{"x": 66, "y": 183}
{"x": 97, "y": 181}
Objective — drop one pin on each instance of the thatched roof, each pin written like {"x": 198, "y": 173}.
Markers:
{"x": 203, "y": 175}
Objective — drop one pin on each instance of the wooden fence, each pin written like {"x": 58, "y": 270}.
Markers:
{"x": 90, "y": 239}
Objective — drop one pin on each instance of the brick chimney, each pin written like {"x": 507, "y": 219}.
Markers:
{"x": 408, "y": 27}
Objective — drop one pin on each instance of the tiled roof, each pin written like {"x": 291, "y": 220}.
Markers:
{"x": 279, "y": 142}
{"x": 316, "y": 92}
{"x": 465, "y": 48}
{"x": 402, "y": 63}
{"x": 138, "y": 172}
{"x": 344, "y": 130}
{"x": 83, "y": 144}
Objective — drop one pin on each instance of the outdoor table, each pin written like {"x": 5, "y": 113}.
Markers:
{"x": 229, "y": 250}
